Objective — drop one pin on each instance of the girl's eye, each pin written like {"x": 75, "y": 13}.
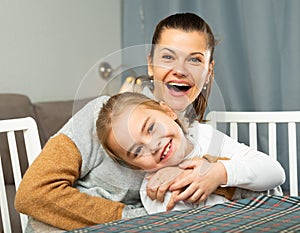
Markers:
{"x": 138, "y": 151}
{"x": 151, "y": 127}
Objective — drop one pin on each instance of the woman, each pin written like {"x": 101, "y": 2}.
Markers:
{"x": 73, "y": 183}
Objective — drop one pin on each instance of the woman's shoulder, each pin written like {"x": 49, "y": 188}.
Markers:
{"x": 83, "y": 121}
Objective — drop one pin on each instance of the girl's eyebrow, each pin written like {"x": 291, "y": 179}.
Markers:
{"x": 142, "y": 130}
{"x": 145, "y": 124}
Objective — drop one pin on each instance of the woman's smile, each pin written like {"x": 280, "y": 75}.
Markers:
{"x": 178, "y": 88}
{"x": 180, "y": 67}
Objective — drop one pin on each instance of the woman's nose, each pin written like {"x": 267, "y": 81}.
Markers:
{"x": 179, "y": 69}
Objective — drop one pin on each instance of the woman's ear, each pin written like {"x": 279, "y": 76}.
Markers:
{"x": 210, "y": 71}
{"x": 166, "y": 108}
{"x": 150, "y": 65}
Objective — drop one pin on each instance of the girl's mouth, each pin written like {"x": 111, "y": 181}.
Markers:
{"x": 166, "y": 151}
{"x": 178, "y": 87}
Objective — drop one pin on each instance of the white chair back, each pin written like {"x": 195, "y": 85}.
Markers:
{"x": 272, "y": 119}
{"x": 33, "y": 147}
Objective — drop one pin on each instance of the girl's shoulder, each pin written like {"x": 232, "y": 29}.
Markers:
{"x": 200, "y": 129}
{"x": 202, "y": 134}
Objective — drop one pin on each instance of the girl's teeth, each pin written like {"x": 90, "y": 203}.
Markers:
{"x": 167, "y": 150}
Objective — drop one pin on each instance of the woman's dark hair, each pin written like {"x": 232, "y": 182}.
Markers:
{"x": 189, "y": 22}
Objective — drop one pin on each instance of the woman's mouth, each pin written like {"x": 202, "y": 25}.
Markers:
{"x": 166, "y": 151}
{"x": 178, "y": 87}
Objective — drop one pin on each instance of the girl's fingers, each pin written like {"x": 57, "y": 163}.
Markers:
{"x": 171, "y": 204}
{"x": 198, "y": 197}
{"x": 184, "y": 195}
{"x": 185, "y": 179}
{"x": 159, "y": 182}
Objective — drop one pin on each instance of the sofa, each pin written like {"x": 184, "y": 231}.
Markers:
{"x": 50, "y": 117}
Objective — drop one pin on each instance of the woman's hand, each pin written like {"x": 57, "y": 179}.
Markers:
{"x": 199, "y": 181}
{"x": 160, "y": 182}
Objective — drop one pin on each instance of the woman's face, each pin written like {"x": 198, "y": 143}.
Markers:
{"x": 180, "y": 67}
{"x": 148, "y": 139}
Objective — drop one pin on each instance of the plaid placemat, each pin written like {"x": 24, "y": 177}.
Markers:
{"x": 260, "y": 214}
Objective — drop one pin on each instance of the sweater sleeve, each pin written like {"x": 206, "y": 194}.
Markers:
{"x": 249, "y": 168}
{"x": 47, "y": 193}
{"x": 246, "y": 168}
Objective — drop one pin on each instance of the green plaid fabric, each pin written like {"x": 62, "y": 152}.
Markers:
{"x": 260, "y": 214}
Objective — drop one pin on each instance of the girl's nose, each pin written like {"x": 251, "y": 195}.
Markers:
{"x": 154, "y": 146}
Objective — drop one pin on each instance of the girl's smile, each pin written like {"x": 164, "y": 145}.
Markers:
{"x": 167, "y": 151}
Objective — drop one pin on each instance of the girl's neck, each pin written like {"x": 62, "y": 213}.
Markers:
{"x": 189, "y": 147}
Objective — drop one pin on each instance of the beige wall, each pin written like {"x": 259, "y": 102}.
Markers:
{"x": 48, "y": 46}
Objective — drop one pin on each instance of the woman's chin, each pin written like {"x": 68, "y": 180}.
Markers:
{"x": 178, "y": 106}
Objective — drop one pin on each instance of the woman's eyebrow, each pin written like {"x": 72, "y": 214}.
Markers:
{"x": 170, "y": 50}
{"x": 196, "y": 53}
{"x": 191, "y": 54}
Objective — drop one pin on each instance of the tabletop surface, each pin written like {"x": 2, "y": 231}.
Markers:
{"x": 260, "y": 214}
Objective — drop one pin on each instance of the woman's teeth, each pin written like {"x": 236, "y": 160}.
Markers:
{"x": 178, "y": 86}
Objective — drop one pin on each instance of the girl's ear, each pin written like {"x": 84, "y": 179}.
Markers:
{"x": 166, "y": 108}
{"x": 150, "y": 66}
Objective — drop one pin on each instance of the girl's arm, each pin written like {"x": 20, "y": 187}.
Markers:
{"x": 247, "y": 168}
{"x": 47, "y": 193}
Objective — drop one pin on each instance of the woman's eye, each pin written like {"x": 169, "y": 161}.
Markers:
{"x": 151, "y": 127}
{"x": 167, "y": 57}
{"x": 195, "y": 60}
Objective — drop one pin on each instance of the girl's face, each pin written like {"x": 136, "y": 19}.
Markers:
{"x": 180, "y": 67}
{"x": 148, "y": 139}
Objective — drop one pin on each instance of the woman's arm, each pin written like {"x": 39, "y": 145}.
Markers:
{"x": 47, "y": 193}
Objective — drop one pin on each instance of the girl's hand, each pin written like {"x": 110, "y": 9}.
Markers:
{"x": 202, "y": 179}
{"x": 171, "y": 204}
{"x": 160, "y": 182}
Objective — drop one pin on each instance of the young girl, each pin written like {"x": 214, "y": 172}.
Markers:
{"x": 146, "y": 134}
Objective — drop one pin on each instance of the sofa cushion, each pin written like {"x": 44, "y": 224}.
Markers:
{"x": 15, "y": 106}
{"x": 51, "y": 116}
